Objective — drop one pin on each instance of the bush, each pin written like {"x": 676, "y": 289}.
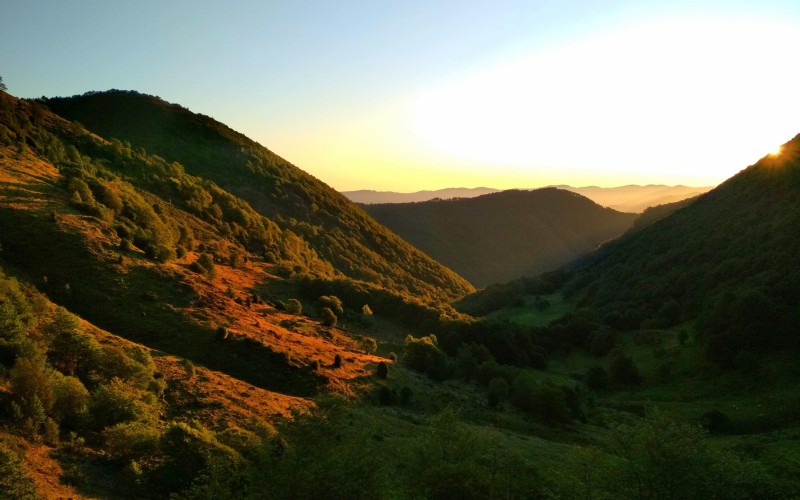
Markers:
{"x": 333, "y": 303}
{"x": 385, "y": 396}
{"x": 328, "y": 317}
{"x": 116, "y": 402}
{"x": 14, "y": 479}
{"x": 715, "y": 422}
{"x": 70, "y": 401}
{"x": 337, "y": 361}
{"x": 596, "y": 378}
{"x": 369, "y": 344}
{"x": 127, "y": 440}
{"x": 383, "y": 370}
{"x": 423, "y": 354}
{"x": 188, "y": 450}
{"x": 624, "y": 371}
{"x": 293, "y": 306}
{"x": 30, "y": 382}
{"x": 204, "y": 265}
{"x": 498, "y": 391}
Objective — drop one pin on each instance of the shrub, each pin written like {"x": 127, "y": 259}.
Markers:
{"x": 337, "y": 361}
{"x": 70, "y": 350}
{"x": 596, "y": 378}
{"x": 293, "y": 306}
{"x": 405, "y": 395}
{"x": 70, "y": 400}
{"x": 382, "y": 371}
{"x": 221, "y": 333}
{"x": 116, "y": 402}
{"x": 333, "y": 303}
{"x": 204, "y": 265}
{"x": 498, "y": 391}
{"x": 30, "y": 381}
{"x": 624, "y": 371}
{"x": 328, "y": 317}
{"x": 385, "y": 396}
{"x": 423, "y": 354}
{"x": 715, "y": 422}
{"x": 188, "y": 450}
{"x": 369, "y": 344}
{"x": 127, "y": 440}
{"x": 14, "y": 479}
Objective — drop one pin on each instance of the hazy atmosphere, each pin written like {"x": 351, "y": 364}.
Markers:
{"x": 423, "y": 95}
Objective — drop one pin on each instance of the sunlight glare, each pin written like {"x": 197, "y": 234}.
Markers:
{"x": 684, "y": 98}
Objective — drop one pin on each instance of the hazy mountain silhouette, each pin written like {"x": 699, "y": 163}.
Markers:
{"x": 500, "y": 236}
{"x": 630, "y": 198}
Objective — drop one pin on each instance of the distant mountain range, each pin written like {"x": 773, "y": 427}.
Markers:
{"x": 499, "y": 236}
{"x": 632, "y": 198}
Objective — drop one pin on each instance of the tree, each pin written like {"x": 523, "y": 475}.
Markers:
{"x": 293, "y": 306}
{"x": 383, "y": 370}
{"x": 328, "y": 317}
{"x": 498, "y": 391}
{"x": 333, "y": 303}
{"x": 624, "y": 371}
{"x": 3, "y": 85}
{"x": 14, "y": 479}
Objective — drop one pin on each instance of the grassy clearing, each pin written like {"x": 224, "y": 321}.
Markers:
{"x": 537, "y": 310}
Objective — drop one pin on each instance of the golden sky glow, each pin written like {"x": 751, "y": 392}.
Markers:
{"x": 672, "y": 101}
{"x": 406, "y": 96}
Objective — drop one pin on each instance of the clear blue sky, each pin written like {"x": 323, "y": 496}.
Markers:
{"x": 409, "y": 95}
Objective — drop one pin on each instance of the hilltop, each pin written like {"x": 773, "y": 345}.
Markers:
{"x": 332, "y": 226}
{"x": 630, "y": 198}
{"x": 501, "y": 236}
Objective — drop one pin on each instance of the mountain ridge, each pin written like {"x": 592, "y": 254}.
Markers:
{"x": 503, "y": 235}
{"x": 629, "y": 198}
{"x": 335, "y": 228}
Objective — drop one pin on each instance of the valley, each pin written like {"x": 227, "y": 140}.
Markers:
{"x": 184, "y": 313}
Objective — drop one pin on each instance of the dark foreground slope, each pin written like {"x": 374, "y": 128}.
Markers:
{"x": 333, "y": 226}
{"x": 726, "y": 265}
{"x": 501, "y": 236}
{"x": 730, "y": 260}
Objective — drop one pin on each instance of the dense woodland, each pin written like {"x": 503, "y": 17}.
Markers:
{"x": 184, "y": 313}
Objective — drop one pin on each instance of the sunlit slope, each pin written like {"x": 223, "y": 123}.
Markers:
{"x": 501, "y": 236}
{"x": 335, "y": 228}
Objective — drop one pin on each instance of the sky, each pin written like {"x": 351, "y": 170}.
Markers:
{"x": 410, "y": 95}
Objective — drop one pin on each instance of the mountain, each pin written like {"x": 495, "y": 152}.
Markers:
{"x": 630, "y": 198}
{"x": 724, "y": 265}
{"x": 635, "y": 198}
{"x": 367, "y": 196}
{"x": 159, "y": 337}
{"x": 500, "y": 236}
{"x": 333, "y": 227}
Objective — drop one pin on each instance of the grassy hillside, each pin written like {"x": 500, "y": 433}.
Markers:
{"x": 158, "y": 337}
{"x": 337, "y": 230}
{"x": 501, "y": 236}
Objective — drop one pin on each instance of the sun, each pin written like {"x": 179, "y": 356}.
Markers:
{"x": 776, "y": 151}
